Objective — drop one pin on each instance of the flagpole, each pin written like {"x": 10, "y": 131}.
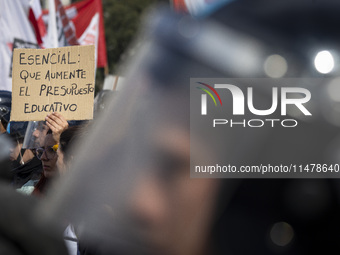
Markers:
{"x": 106, "y": 70}
{"x": 116, "y": 83}
{"x": 52, "y": 34}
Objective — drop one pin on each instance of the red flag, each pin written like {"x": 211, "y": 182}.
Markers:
{"x": 180, "y": 6}
{"x": 84, "y": 11}
{"x": 68, "y": 28}
{"x": 85, "y": 19}
{"x": 36, "y": 18}
{"x": 198, "y": 8}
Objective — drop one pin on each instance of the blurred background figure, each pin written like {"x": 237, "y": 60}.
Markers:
{"x": 65, "y": 153}
{"x": 22, "y": 232}
{"x": 5, "y": 163}
{"x": 5, "y": 109}
{"x": 68, "y": 139}
{"x": 26, "y": 168}
{"x": 102, "y": 100}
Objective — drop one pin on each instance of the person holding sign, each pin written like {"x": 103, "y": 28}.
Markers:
{"x": 46, "y": 81}
{"x": 37, "y": 130}
{"x": 55, "y": 124}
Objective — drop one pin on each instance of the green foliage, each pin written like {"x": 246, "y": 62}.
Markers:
{"x": 122, "y": 20}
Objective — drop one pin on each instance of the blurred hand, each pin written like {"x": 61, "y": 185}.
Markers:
{"x": 57, "y": 123}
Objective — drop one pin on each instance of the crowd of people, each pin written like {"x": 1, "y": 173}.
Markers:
{"x": 33, "y": 168}
{"x": 121, "y": 184}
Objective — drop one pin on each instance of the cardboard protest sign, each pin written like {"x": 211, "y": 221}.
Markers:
{"x": 53, "y": 80}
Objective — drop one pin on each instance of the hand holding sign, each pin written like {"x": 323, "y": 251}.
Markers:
{"x": 57, "y": 123}
{"x": 53, "y": 80}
